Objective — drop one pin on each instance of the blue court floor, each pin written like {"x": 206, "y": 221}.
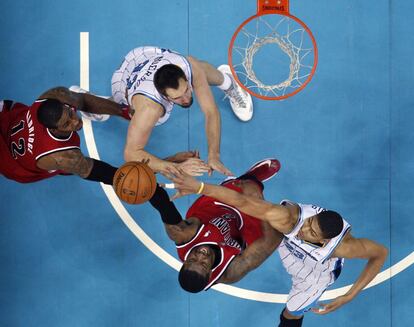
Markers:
{"x": 71, "y": 255}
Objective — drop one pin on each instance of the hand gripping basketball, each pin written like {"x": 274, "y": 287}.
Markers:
{"x": 134, "y": 182}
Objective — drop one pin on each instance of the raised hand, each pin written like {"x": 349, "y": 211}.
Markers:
{"x": 325, "y": 308}
{"x": 182, "y": 156}
{"x": 183, "y": 183}
{"x": 194, "y": 167}
{"x": 215, "y": 164}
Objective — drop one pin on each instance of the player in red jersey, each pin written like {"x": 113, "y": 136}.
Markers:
{"x": 216, "y": 242}
{"x": 41, "y": 140}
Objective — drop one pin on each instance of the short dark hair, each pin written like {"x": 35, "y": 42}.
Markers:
{"x": 49, "y": 113}
{"x": 168, "y": 76}
{"x": 192, "y": 281}
{"x": 330, "y": 223}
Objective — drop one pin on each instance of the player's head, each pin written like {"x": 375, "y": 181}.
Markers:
{"x": 195, "y": 272}
{"x": 58, "y": 116}
{"x": 171, "y": 82}
{"x": 321, "y": 227}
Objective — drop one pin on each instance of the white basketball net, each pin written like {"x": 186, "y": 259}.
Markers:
{"x": 290, "y": 37}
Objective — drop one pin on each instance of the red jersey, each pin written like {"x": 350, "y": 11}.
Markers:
{"x": 24, "y": 140}
{"x": 221, "y": 225}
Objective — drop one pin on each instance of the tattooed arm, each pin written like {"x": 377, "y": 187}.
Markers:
{"x": 84, "y": 101}
{"x": 183, "y": 231}
{"x": 74, "y": 162}
{"x": 70, "y": 161}
{"x": 254, "y": 255}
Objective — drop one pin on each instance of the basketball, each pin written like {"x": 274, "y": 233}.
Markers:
{"x": 134, "y": 182}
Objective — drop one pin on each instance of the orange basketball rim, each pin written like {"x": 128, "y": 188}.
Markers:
{"x": 273, "y": 25}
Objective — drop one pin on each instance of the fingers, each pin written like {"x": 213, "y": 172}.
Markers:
{"x": 218, "y": 166}
{"x": 145, "y": 161}
{"x": 172, "y": 169}
{"x": 323, "y": 309}
{"x": 194, "y": 154}
{"x": 226, "y": 172}
{"x": 319, "y": 311}
{"x": 177, "y": 195}
{"x": 194, "y": 167}
{"x": 196, "y": 161}
{"x": 170, "y": 172}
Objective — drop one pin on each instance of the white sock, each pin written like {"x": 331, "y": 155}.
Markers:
{"x": 227, "y": 82}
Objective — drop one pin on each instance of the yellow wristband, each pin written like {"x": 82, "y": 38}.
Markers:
{"x": 201, "y": 188}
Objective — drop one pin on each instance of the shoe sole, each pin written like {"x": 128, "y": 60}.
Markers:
{"x": 264, "y": 160}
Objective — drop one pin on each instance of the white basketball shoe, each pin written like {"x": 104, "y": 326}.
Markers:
{"x": 88, "y": 115}
{"x": 240, "y": 101}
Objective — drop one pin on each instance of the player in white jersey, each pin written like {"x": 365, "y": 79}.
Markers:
{"x": 315, "y": 244}
{"x": 151, "y": 80}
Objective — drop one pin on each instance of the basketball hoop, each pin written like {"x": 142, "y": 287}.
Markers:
{"x": 273, "y": 55}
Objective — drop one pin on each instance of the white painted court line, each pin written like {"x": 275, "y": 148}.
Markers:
{"x": 169, "y": 259}
{"x": 84, "y": 60}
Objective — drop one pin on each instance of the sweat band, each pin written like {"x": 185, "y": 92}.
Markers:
{"x": 161, "y": 201}
{"x": 102, "y": 172}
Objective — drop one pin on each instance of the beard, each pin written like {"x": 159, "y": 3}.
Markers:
{"x": 188, "y": 105}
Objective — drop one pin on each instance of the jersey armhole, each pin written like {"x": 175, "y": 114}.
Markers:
{"x": 55, "y": 151}
{"x": 198, "y": 231}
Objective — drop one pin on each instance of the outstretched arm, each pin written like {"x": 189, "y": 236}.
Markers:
{"x": 254, "y": 255}
{"x": 74, "y": 162}
{"x": 212, "y": 116}
{"x": 147, "y": 113}
{"x": 85, "y": 101}
{"x": 354, "y": 248}
{"x": 177, "y": 229}
{"x": 279, "y": 217}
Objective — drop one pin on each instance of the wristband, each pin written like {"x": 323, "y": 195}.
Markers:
{"x": 125, "y": 113}
{"x": 201, "y": 188}
{"x": 168, "y": 212}
{"x": 101, "y": 172}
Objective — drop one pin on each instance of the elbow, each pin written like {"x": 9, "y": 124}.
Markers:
{"x": 130, "y": 155}
{"x": 383, "y": 252}
{"x": 127, "y": 155}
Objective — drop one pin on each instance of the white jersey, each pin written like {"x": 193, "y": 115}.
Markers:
{"x": 136, "y": 75}
{"x": 312, "y": 268}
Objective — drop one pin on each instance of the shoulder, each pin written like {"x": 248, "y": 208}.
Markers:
{"x": 348, "y": 246}
{"x": 143, "y": 103}
{"x": 184, "y": 231}
{"x": 195, "y": 65}
{"x": 285, "y": 214}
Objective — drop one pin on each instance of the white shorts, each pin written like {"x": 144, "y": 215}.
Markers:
{"x": 309, "y": 279}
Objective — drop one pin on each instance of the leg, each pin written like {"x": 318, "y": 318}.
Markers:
{"x": 289, "y": 320}
{"x": 309, "y": 282}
